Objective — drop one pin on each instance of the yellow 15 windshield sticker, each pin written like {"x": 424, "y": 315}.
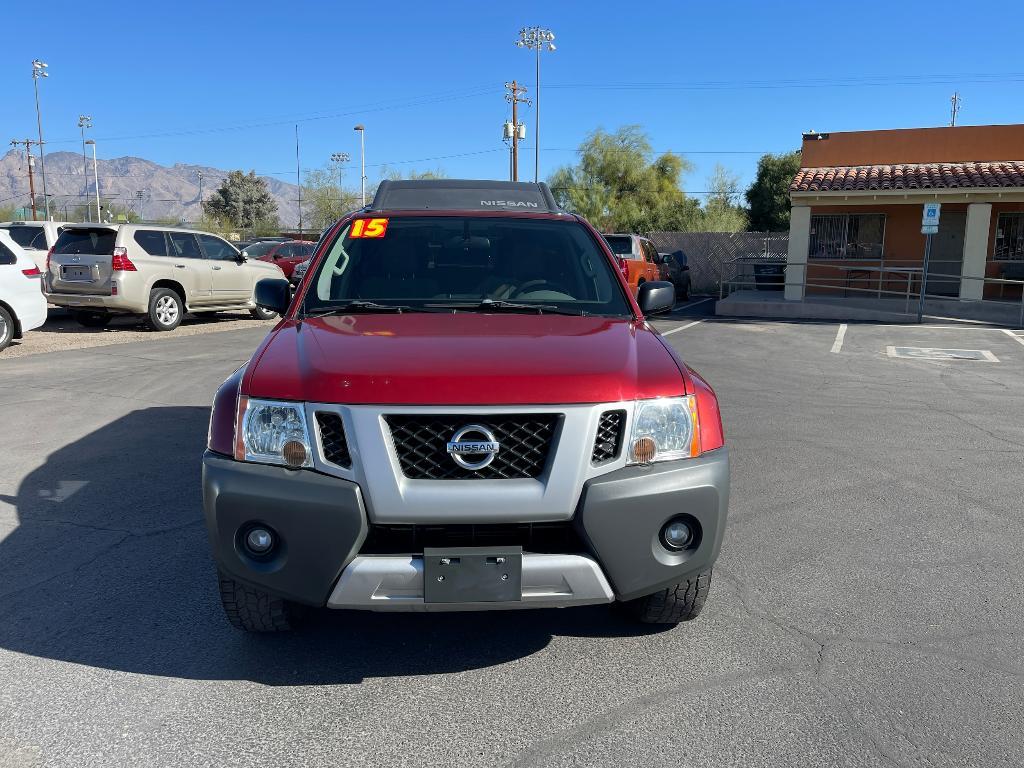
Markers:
{"x": 368, "y": 228}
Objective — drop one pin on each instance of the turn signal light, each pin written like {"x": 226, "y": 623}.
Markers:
{"x": 120, "y": 262}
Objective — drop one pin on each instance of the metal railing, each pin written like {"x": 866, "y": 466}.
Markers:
{"x": 893, "y": 281}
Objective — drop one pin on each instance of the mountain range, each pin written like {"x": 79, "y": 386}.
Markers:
{"x": 169, "y": 192}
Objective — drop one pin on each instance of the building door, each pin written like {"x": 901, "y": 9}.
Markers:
{"x": 947, "y": 258}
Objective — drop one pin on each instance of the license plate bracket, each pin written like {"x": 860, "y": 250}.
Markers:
{"x": 75, "y": 272}
{"x": 472, "y": 574}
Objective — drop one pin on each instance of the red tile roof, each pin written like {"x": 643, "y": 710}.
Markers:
{"x": 1007, "y": 173}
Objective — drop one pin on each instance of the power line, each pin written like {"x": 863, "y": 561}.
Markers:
{"x": 384, "y": 107}
{"x": 849, "y": 82}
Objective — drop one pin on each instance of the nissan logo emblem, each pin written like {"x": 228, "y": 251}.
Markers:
{"x": 476, "y": 441}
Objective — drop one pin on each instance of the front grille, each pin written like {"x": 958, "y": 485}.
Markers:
{"x": 608, "y": 442}
{"x": 332, "y": 438}
{"x": 421, "y": 443}
{"x": 542, "y": 538}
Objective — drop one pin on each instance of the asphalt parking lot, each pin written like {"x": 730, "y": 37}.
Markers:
{"x": 865, "y": 611}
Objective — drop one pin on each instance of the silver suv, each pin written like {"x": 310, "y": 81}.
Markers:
{"x": 101, "y": 270}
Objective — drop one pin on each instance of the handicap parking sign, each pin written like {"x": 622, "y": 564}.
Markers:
{"x": 930, "y": 218}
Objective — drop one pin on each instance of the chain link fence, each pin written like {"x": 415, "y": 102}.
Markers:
{"x": 718, "y": 257}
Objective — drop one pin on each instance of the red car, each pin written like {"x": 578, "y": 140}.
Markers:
{"x": 464, "y": 408}
{"x": 286, "y": 255}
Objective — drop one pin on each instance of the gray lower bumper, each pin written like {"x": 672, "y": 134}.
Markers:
{"x": 395, "y": 583}
{"x": 322, "y": 523}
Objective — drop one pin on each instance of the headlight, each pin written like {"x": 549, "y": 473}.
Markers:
{"x": 273, "y": 433}
{"x": 663, "y": 430}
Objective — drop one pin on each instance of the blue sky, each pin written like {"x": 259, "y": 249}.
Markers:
{"x": 223, "y": 83}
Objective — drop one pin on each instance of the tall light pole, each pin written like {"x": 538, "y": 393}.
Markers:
{"x": 85, "y": 121}
{"x": 39, "y": 70}
{"x": 539, "y": 39}
{"x": 96, "y": 178}
{"x": 362, "y": 161}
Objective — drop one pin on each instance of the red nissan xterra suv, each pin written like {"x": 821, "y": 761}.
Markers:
{"x": 464, "y": 408}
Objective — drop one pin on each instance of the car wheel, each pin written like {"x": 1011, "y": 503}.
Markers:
{"x": 6, "y": 328}
{"x": 680, "y": 602}
{"x": 92, "y": 319}
{"x": 683, "y": 294}
{"x": 262, "y": 314}
{"x": 254, "y": 610}
{"x": 165, "y": 309}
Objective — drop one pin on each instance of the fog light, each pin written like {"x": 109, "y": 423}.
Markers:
{"x": 259, "y": 541}
{"x": 294, "y": 453}
{"x": 676, "y": 535}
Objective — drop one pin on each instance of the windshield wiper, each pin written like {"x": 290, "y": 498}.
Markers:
{"x": 353, "y": 307}
{"x": 500, "y": 305}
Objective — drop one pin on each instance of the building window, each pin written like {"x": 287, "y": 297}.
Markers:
{"x": 1009, "y": 237}
{"x": 847, "y": 236}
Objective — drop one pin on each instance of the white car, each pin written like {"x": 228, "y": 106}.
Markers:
{"x": 22, "y": 303}
{"x": 35, "y": 237}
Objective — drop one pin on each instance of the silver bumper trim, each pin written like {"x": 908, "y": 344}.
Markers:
{"x": 395, "y": 583}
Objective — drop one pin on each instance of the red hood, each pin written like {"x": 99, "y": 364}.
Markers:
{"x": 463, "y": 359}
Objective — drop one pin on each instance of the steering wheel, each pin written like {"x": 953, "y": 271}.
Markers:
{"x": 531, "y": 284}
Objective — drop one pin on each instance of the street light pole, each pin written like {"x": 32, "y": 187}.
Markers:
{"x": 96, "y": 179}
{"x": 39, "y": 70}
{"x": 539, "y": 39}
{"x": 85, "y": 121}
{"x": 362, "y": 161}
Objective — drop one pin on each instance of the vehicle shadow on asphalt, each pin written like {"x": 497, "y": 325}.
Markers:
{"x": 109, "y": 567}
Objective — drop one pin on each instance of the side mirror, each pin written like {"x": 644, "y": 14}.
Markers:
{"x": 273, "y": 294}
{"x": 241, "y": 258}
{"x": 663, "y": 258}
{"x": 656, "y": 297}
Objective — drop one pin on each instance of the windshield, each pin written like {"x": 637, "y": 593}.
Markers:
{"x": 260, "y": 249}
{"x": 620, "y": 244}
{"x": 435, "y": 262}
{"x": 27, "y": 237}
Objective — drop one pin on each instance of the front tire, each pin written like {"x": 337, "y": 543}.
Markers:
{"x": 679, "y": 602}
{"x": 262, "y": 314}
{"x": 254, "y": 610}
{"x": 92, "y": 319}
{"x": 165, "y": 309}
{"x": 6, "y": 328}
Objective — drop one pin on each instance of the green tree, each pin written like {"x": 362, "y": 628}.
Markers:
{"x": 722, "y": 210}
{"x": 324, "y": 200}
{"x": 768, "y": 196}
{"x": 244, "y": 202}
{"x": 618, "y": 186}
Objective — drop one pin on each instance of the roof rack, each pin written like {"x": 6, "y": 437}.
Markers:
{"x": 463, "y": 195}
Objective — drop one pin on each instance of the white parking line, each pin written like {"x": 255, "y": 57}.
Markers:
{"x": 837, "y": 345}
{"x": 681, "y": 328}
{"x": 1013, "y": 336}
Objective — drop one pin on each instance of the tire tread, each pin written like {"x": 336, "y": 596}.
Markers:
{"x": 254, "y": 610}
{"x": 679, "y": 602}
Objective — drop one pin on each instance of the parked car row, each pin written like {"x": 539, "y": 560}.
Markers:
{"x": 99, "y": 271}
{"x": 640, "y": 262}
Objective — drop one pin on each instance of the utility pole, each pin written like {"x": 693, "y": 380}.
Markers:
{"x": 31, "y": 160}
{"x": 298, "y": 175}
{"x": 39, "y": 70}
{"x": 954, "y": 102}
{"x": 200, "y": 192}
{"x": 518, "y": 129}
{"x": 95, "y": 178}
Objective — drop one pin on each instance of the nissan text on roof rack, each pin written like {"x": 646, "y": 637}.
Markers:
{"x": 463, "y": 407}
